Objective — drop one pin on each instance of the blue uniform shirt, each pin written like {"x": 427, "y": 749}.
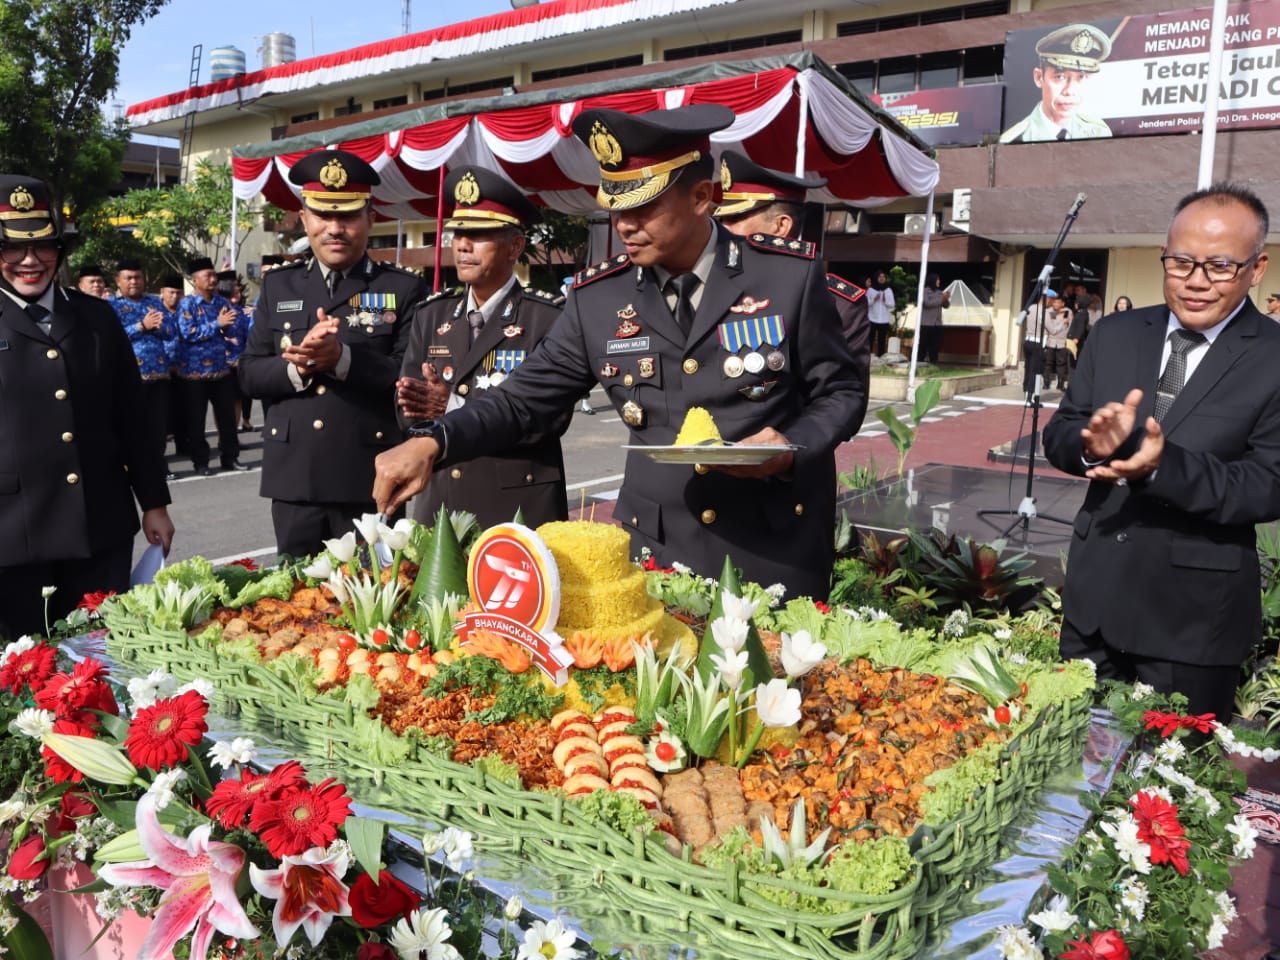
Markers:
{"x": 203, "y": 347}
{"x": 151, "y": 347}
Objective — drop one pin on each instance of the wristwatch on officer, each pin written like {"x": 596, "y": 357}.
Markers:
{"x": 435, "y": 430}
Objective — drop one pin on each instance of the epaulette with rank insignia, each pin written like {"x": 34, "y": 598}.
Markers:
{"x": 444, "y": 292}
{"x": 291, "y": 265}
{"x": 601, "y": 269}
{"x": 555, "y": 299}
{"x": 398, "y": 269}
{"x": 797, "y": 248}
{"x": 844, "y": 288}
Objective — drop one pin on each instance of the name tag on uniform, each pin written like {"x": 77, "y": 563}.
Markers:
{"x": 289, "y": 306}
{"x": 438, "y": 351}
{"x": 631, "y": 345}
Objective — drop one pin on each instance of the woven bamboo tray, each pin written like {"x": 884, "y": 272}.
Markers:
{"x": 717, "y": 912}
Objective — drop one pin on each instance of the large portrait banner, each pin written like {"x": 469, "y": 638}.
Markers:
{"x": 1141, "y": 75}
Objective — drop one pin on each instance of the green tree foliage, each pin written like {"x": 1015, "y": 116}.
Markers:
{"x": 557, "y": 248}
{"x": 59, "y": 61}
{"x": 175, "y": 223}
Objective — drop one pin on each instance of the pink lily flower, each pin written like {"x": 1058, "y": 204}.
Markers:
{"x": 308, "y": 891}
{"x": 199, "y": 877}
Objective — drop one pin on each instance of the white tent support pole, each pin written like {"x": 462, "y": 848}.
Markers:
{"x": 399, "y": 240}
{"x": 235, "y": 218}
{"x": 924, "y": 272}
{"x": 802, "y": 126}
{"x": 1209, "y": 123}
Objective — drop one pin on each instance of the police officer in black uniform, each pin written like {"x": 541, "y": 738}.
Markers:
{"x": 468, "y": 339}
{"x": 689, "y": 315}
{"x": 325, "y": 350}
{"x": 77, "y": 447}
{"x": 760, "y": 200}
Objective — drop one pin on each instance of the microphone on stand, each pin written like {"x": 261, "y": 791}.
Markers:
{"x": 1081, "y": 197}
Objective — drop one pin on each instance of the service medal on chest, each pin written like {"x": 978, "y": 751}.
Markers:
{"x": 443, "y": 328}
{"x": 633, "y": 414}
{"x": 627, "y": 328}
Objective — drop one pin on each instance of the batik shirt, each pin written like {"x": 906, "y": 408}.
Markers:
{"x": 151, "y": 347}
{"x": 204, "y": 348}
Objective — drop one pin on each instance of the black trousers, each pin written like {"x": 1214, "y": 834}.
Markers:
{"x": 879, "y": 338}
{"x": 930, "y": 343}
{"x": 197, "y": 396}
{"x": 301, "y": 527}
{"x": 22, "y": 607}
{"x": 1208, "y": 689}
{"x": 155, "y": 412}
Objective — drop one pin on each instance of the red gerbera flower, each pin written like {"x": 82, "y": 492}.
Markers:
{"x": 1158, "y": 826}
{"x": 1201, "y": 723}
{"x": 233, "y": 800}
{"x": 159, "y": 735}
{"x": 1169, "y": 723}
{"x": 57, "y": 769}
{"x": 246, "y": 562}
{"x": 72, "y": 696}
{"x": 28, "y": 670}
{"x": 91, "y": 601}
{"x": 1107, "y": 945}
{"x": 301, "y": 818}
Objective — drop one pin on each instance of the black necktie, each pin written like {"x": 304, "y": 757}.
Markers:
{"x": 1062, "y": 134}
{"x": 1175, "y": 371}
{"x": 476, "y": 319}
{"x": 334, "y": 278}
{"x": 40, "y": 315}
{"x": 684, "y": 285}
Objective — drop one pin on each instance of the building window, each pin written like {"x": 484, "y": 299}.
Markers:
{"x": 349, "y": 108}
{"x": 940, "y": 69}
{"x": 305, "y": 117}
{"x": 597, "y": 66}
{"x": 929, "y": 71}
{"x": 969, "y": 11}
{"x": 383, "y": 104}
{"x": 983, "y": 64}
{"x": 729, "y": 46}
{"x": 494, "y": 87}
{"x": 897, "y": 75}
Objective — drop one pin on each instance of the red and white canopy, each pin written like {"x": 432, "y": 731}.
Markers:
{"x": 793, "y": 113}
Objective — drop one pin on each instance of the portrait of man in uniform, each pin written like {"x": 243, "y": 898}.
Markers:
{"x": 1069, "y": 57}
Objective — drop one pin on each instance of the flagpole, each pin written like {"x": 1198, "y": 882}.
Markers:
{"x": 1209, "y": 124}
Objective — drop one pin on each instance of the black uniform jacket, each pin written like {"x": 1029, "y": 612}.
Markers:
{"x": 528, "y": 476}
{"x": 618, "y": 329}
{"x": 73, "y": 449}
{"x": 1167, "y": 567}
{"x": 851, "y": 304}
{"x": 319, "y": 443}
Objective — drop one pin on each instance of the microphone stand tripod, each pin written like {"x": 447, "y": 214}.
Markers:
{"x": 1027, "y": 511}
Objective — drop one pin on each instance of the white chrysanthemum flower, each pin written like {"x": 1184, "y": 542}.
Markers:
{"x": 11, "y": 808}
{"x": 1226, "y": 905}
{"x": 1020, "y": 659}
{"x": 48, "y": 592}
{"x": 548, "y": 941}
{"x": 737, "y": 608}
{"x": 457, "y": 847}
{"x": 145, "y": 691}
{"x": 1054, "y": 921}
{"x": 1133, "y": 897}
{"x": 432, "y": 843}
{"x": 1002, "y": 633}
{"x": 1170, "y": 751}
{"x": 679, "y": 567}
{"x": 1175, "y": 777}
{"x": 423, "y": 936}
{"x": 241, "y": 750}
{"x": 775, "y": 592}
{"x": 1217, "y": 933}
{"x": 1246, "y": 837}
{"x": 162, "y": 788}
{"x": 21, "y": 645}
{"x": 33, "y": 722}
{"x": 200, "y": 686}
{"x": 730, "y": 633}
{"x": 1142, "y": 690}
{"x": 513, "y": 908}
{"x": 1124, "y": 833}
{"x": 1151, "y": 790}
{"x": 1016, "y": 943}
{"x": 1206, "y": 799}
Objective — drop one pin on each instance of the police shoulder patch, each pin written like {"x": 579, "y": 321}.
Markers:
{"x": 602, "y": 269}
{"x": 795, "y": 248}
{"x": 845, "y": 288}
{"x": 443, "y": 294}
{"x": 555, "y": 299}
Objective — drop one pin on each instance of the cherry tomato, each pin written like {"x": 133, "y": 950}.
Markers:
{"x": 346, "y": 643}
{"x": 412, "y": 639}
{"x": 379, "y": 637}
{"x": 1003, "y": 715}
{"x": 1023, "y": 687}
{"x": 664, "y": 751}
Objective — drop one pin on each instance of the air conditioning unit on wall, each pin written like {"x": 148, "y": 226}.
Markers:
{"x": 913, "y": 224}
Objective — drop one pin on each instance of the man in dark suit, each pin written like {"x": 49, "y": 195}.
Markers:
{"x": 325, "y": 349}
{"x": 76, "y": 446}
{"x": 760, "y": 200}
{"x": 689, "y": 315}
{"x": 1174, "y": 415}
{"x": 468, "y": 339}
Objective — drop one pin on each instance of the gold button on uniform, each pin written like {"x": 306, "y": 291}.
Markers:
{"x": 455, "y": 473}
{"x": 73, "y": 478}
{"x": 528, "y": 478}
{"x": 799, "y": 509}
{"x": 274, "y": 431}
{"x": 317, "y": 425}
{"x": 67, "y": 437}
{"x": 378, "y": 435}
{"x": 51, "y": 353}
{"x": 690, "y": 366}
{"x": 288, "y": 325}
{"x": 628, "y": 380}
{"x": 700, "y": 468}
{"x": 463, "y": 389}
{"x": 59, "y": 394}
{"x": 708, "y": 516}
{"x": 321, "y": 390}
